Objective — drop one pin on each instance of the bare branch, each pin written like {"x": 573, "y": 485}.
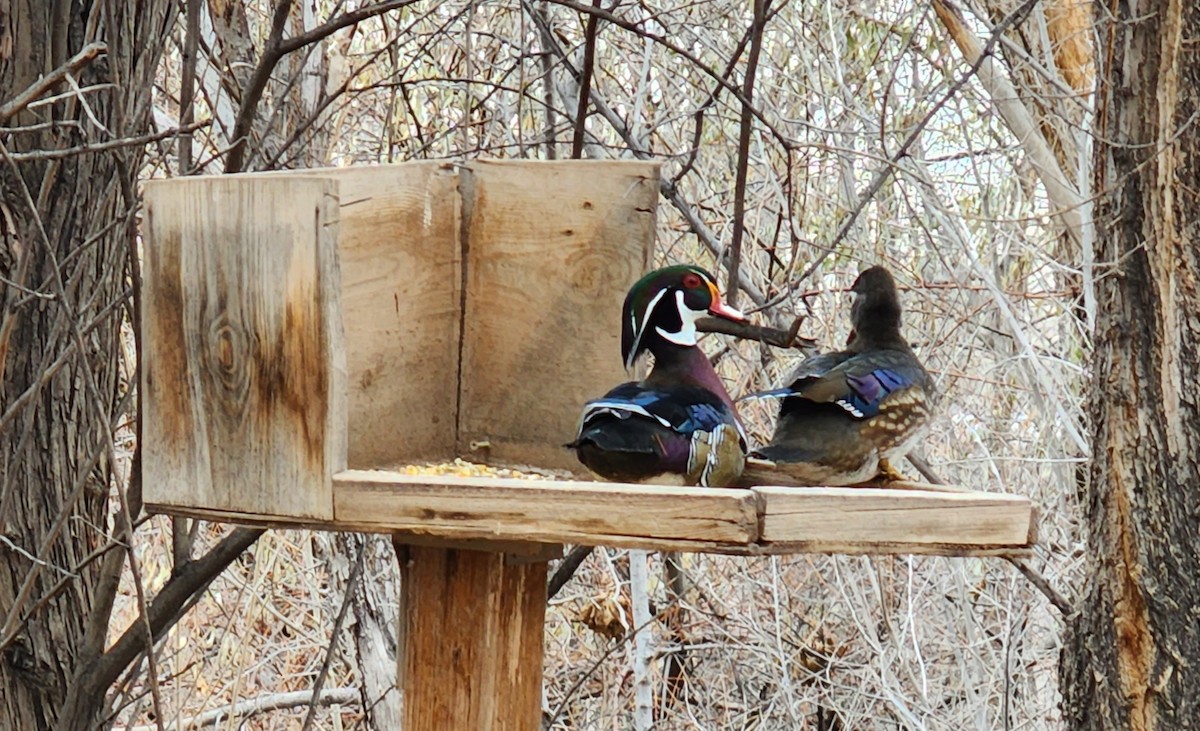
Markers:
{"x": 566, "y": 569}
{"x": 245, "y": 709}
{"x": 1063, "y": 196}
{"x": 681, "y": 51}
{"x": 276, "y": 49}
{"x": 585, "y": 82}
{"x": 345, "y": 20}
{"x": 351, "y": 587}
{"x": 187, "y": 85}
{"x": 884, "y": 173}
{"x": 72, "y": 65}
{"x": 789, "y": 338}
{"x": 256, "y": 87}
{"x": 86, "y": 148}
{"x": 1034, "y": 576}
{"x": 182, "y": 590}
{"x": 743, "y": 153}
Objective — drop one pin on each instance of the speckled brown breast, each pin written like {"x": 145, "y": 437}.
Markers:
{"x": 901, "y": 415}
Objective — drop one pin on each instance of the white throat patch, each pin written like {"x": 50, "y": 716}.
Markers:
{"x": 687, "y": 333}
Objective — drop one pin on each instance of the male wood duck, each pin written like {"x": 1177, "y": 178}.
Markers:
{"x": 845, "y": 414}
{"x": 679, "y": 425}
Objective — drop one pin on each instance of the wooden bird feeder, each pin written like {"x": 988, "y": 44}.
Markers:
{"x": 304, "y": 331}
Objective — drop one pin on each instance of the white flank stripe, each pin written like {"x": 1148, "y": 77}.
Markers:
{"x": 621, "y": 409}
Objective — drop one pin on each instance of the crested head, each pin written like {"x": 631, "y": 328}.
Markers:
{"x": 662, "y": 307}
{"x": 875, "y": 314}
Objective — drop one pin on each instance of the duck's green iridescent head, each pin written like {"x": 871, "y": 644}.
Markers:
{"x": 664, "y": 306}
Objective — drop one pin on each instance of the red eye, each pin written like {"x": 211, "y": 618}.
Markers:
{"x": 692, "y": 281}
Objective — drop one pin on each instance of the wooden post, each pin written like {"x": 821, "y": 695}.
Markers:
{"x": 469, "y": 649}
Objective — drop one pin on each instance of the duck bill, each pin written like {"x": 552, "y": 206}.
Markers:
{"x": 720, "y": 309}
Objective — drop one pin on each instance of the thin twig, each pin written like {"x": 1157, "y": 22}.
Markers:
{"x": 1057, "y": 598}
{"x": 885, "y": 172}
{"x": 88, "y": 147}
{"x": 245, "y": 709}
{"x": 85, "y": 56}
{"x": 743, "y": 153}
{"x": 562, "y": 706}
{"x": 351, "y": 586}
{"x": 585, "y": 82}
{"x": 1035, "y": 577}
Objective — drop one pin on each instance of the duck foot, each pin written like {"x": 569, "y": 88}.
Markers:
{"x": 888, "y": 473}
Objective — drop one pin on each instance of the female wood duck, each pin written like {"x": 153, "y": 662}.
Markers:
{"x": 845, "y": 414}
{"x": 679, "y": 425}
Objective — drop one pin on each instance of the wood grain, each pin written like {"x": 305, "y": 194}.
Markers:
{"x": 400, "y": 253}
{"x": 552, "y": 249}
{"x": 469, "y": 649}
{"x": 478, "y": 511}
{"x": 844, "y": 516}
{"x": 445, "y": 536}
{"x": 550, "y": 511}
{"x": 401, "y": 296}
{"x": 243, "y": 370}
{"x": 451, "y": 537}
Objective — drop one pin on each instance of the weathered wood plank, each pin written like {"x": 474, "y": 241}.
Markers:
{"x": 400, "y": 252}
{"x": 450, "y": 538}
{"x": 888, "y": 549}
{"x": 840, "y": 517}
{"x": 552, "y": 248}
{"x": 243, "y": 370}
{"x": 401, "y": 298}
{"x": 468, "y": 537}
{"x": 548, "y": 511}
{"x": 469, "y": 650}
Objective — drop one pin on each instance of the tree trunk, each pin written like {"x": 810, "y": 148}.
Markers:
{"x": 66, "y": 232}
{"x": 1132, "y": 657}
{"x": 372, "y": 646}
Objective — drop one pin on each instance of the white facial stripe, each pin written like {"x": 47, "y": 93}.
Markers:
{"x": 638, "y": 329}
{"x": 687, "y": 333}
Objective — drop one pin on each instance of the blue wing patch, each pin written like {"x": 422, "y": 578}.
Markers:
{"x": 695, "y": 417}
{"x": 868, "y": 391}
{"x": 679, "y": 414}
{"x": 701, "y": 417}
